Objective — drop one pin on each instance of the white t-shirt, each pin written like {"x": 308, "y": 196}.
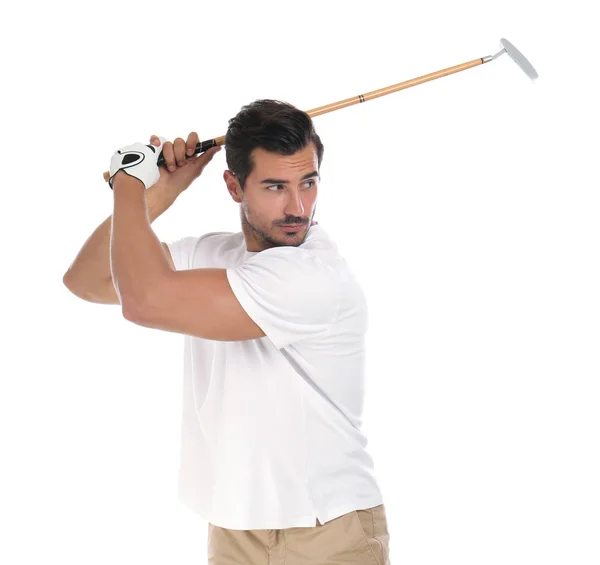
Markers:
{"x": 270, "y": 434}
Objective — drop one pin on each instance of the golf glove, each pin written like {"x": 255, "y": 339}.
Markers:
{"x": 137, "y": 160}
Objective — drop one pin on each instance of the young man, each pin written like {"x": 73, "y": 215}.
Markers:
{"x": 274, "y": 326}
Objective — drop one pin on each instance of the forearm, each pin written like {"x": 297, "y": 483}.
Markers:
{"x": 91, "y": 268}
{"x": 137, "y": 259}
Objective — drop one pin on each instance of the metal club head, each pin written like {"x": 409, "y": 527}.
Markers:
{"x": 516, "y": 56}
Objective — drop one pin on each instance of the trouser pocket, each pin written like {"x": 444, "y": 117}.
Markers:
{"x": 374, "y": 524}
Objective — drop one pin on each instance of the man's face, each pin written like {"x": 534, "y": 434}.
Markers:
{"x": 280, "y": 190}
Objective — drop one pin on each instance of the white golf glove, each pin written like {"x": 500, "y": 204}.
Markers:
{"x": 139, "y": 161}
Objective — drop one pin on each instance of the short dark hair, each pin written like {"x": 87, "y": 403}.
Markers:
{"x": 271, "y": 124}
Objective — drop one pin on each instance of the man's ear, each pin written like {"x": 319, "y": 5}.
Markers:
{"x": 233, "y": 185}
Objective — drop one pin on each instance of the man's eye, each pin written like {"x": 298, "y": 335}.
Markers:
{"x": 276, "y": 187}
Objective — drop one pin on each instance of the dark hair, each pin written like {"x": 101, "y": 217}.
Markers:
{"x": 271, "y": 124}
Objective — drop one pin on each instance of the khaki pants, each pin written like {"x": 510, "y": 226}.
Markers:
{"x": 359, "y": 537}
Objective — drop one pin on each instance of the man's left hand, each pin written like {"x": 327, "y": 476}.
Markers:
{"x": 137, "y": 160}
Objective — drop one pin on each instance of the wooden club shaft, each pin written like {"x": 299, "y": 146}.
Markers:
{"x": 373, "y": 94}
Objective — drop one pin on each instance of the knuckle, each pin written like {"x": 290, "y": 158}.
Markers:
{"x": 168, "y": 153}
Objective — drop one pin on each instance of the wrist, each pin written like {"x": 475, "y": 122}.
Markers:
{"x": 163, "y": 192}
{"x": 121, "y": 178}
{"x": 160, "y": 198}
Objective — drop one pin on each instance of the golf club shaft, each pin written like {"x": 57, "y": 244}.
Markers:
{"x": 204, "y": 145}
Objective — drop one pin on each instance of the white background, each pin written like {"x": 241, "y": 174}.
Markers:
{"x": 468, "y": 208}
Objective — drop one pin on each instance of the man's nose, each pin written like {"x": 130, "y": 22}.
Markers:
{"x": 294, "y": 206}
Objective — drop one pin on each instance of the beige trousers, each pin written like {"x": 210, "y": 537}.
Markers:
{"x": 359, "y": 537}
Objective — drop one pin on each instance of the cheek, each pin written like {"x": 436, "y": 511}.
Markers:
{"x": 311, "y": 200}
{"x": 262, "y": 209}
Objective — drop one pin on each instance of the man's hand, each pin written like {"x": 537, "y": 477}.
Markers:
{"x": 138, "y": 161}
{"x": 182, "y": 167}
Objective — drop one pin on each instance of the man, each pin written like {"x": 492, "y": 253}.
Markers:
{"x": 274, "y": 326}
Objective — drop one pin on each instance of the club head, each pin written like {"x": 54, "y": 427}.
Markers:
{"x": 519, "y": 58}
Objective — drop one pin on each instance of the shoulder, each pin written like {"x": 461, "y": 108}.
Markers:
{"x": 289, "y": 261}
{"x": 186, "y": 251}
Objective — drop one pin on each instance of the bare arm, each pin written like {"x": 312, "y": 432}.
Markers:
{"x": 89, "y": 276}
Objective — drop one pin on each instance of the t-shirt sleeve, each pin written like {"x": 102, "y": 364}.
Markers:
{"x": 288, "y": 293}
{"x": 182, "y": 251}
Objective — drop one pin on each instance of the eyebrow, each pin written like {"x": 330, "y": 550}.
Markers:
{"x": 280, "y": 181}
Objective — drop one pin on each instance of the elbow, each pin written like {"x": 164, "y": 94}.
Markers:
{"x": 70, "y": 284}
{"x": 67, "y": 280}
{"x": 131, "y": 311}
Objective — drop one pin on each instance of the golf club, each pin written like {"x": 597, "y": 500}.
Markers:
{"x": 507, "y": 47}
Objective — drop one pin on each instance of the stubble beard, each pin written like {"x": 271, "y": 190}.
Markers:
{"x": 270, "y": 241}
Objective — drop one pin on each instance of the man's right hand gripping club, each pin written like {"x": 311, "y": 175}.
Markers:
{"x": 181, "y": 166}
